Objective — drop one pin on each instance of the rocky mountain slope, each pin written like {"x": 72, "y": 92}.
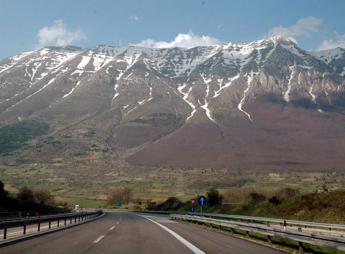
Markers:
{"x": 264, "y": 105}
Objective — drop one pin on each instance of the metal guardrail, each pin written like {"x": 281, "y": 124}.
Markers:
{"x": 300, "y": 237}
{"x": 64, "y": 218}
{"x": 25, "y": 214}
{"x": 261, "y": 220}
{"x": 268, "y": 221}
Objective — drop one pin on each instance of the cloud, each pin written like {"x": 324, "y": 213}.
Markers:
{"x": 188, "y": 40}
{"x": 133, "y": 17}
{"x": 303, "y": 27}
{"x": 58, "y": 35}
{"x": 339, "y": 41}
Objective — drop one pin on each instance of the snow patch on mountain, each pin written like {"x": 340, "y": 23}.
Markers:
{"x": 185, "y": 98}
{"x": 288, "y": 90}
{"x": 81, "y": 66}
{"x": 226, "y": 85}
{"x": 245, "y": 94}
{"x": 329, "y": 55}
{"x": 72, "y": 90}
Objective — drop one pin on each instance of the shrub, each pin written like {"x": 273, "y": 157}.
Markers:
{"x": 3, "y": 193}
{"x": 274, "y": 200}
{"x": 214, "y": 198}
{"x": 44, "y": 198}
{"x": 26, "y": 194}
{"x": 255, "y": 197}
{"x": 172, "y": 203}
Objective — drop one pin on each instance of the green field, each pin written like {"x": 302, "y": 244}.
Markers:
{"x": 90, "y": 186}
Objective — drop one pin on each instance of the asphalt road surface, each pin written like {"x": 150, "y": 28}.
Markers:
{"x": 126, "y": 233}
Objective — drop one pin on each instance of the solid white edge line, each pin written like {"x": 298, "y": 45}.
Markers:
{"x": 98, "y": 239}
{"x": 112, "y": 228}
{"x": 189, "y": 245}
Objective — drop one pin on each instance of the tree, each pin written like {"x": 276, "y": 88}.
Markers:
{"x": 172, "y": 203}
{"x": 274, "y": 200}
{"x": 44, "y": 198}
{"x": 214, "y": 198}
{"x": 256, "y": 197}
{"x": 3, "y": 193}
{"x": 123, "y": 194}
{"x": 26, "y": 194}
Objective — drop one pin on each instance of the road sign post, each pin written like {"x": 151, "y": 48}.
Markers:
{"x": 193, "y": 202}
{"x": 202, "y": 201}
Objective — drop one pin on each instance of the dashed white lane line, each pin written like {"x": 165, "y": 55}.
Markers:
{"x": 102, "y": 236}
{"x": 189, "y": 245}
{"x": 98, "y": 239}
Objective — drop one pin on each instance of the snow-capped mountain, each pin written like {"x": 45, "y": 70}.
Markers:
{"x": 263, "y": 104}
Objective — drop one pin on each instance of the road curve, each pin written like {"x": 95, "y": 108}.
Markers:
{"x": 122, "y": 232}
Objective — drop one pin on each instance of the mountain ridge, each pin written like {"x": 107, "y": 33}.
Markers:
{"x": 147, "y": 99}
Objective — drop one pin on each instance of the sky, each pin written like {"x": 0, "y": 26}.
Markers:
{"x": 28, "y": 25}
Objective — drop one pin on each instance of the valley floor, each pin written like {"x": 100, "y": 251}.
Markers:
{"x": 90, "y": 186}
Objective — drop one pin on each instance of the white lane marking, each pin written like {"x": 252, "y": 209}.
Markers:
{"x": 117, "y": 223}
{"x": 189, "y": 245}
{"x": 112, "y": 228}
{"x": 98, "y": 239}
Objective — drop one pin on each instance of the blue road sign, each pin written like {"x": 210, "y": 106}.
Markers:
{"x": 202, "y": 201}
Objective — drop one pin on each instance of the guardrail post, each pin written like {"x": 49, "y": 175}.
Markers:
{"x": 75, "y": 219}
{"x": 58, "y": 223}
{"x": 39, "y": 226}
{"x": 70, "y": 220}
{"x": 24, "y": 229}
{"x": 269, "y": 239}
{"x": 49, "y": 224}
{"x": 65, "y": 222}
{"x": 231, "y": 230}
{"x": 300, "y": 247}
{"x": 5, "y": 233}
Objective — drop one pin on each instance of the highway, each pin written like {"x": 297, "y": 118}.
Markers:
{"x": 123, "y": 232}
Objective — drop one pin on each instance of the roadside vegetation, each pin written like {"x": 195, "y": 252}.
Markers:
{"x": 322, "y": 206}
{"x": 122, "y": 195}
{"x": 28, "y": 202}
{"x": 287, "y": 203}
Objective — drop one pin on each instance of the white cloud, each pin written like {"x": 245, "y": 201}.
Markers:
{"x": 188, "y": 40}
{"x": 58, "y": 35}
{"x": 133, "y": 17}
{"x": 303, "y": 27}
{"x": 339, "y": 41}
